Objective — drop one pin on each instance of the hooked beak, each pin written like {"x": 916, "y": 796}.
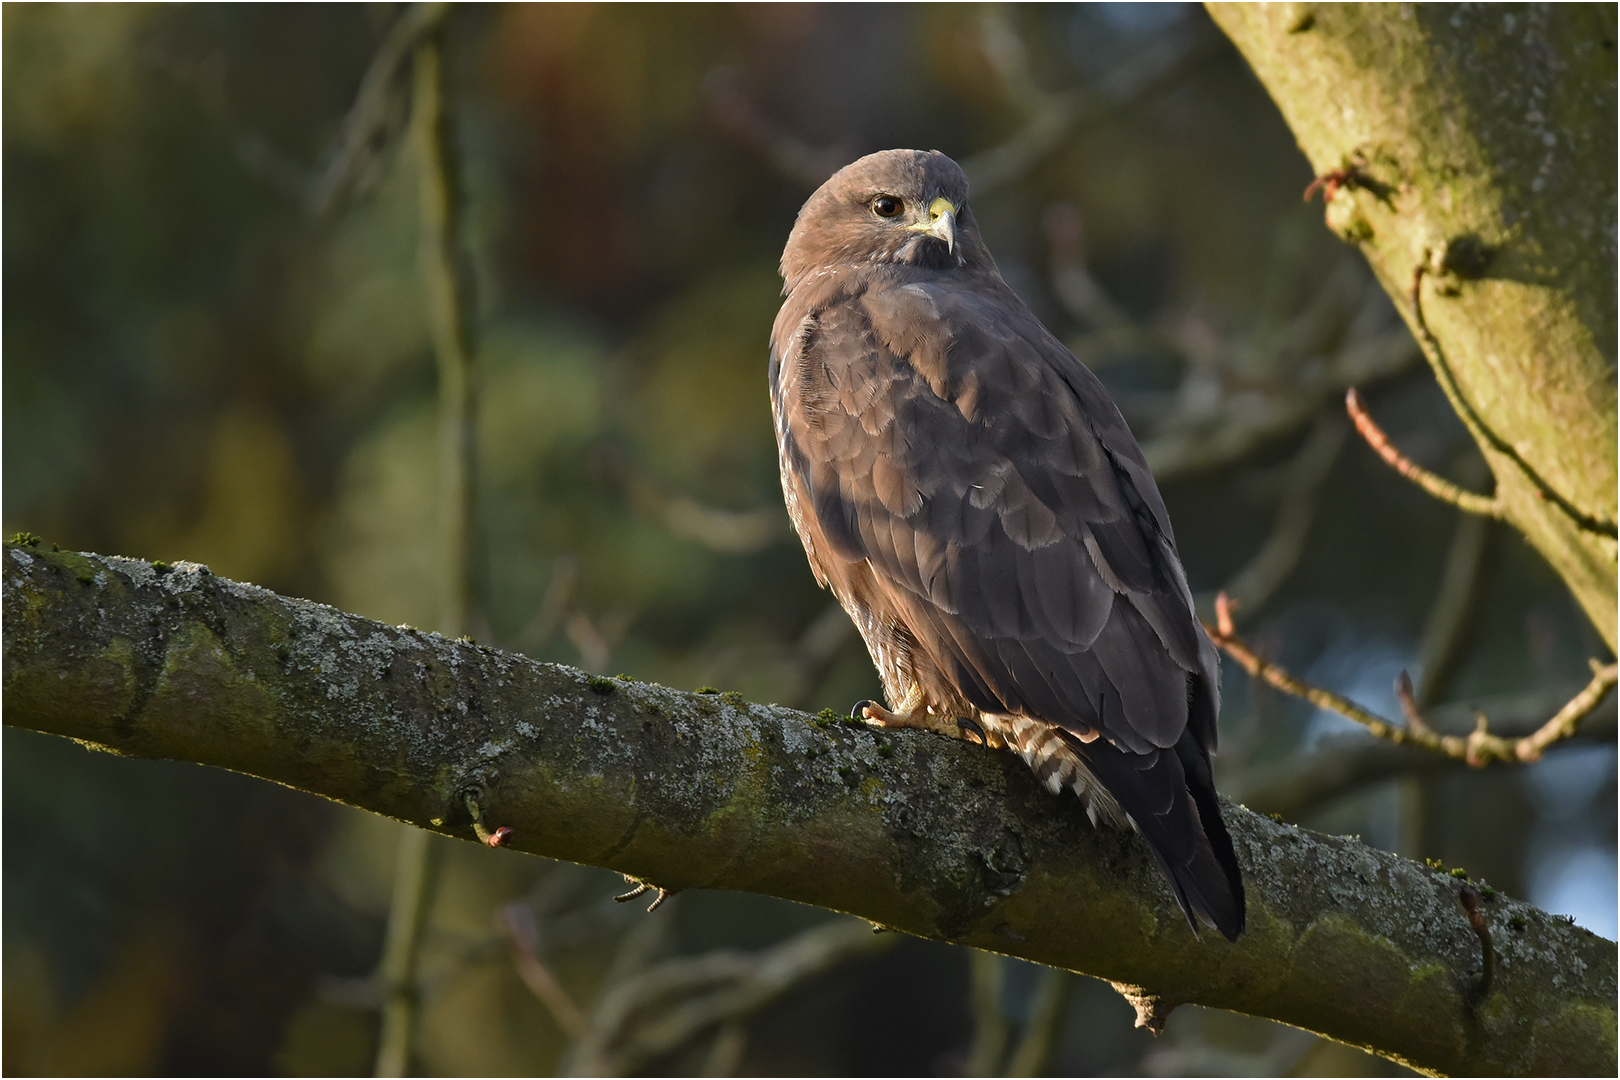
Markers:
{"x": 941, "y": 223}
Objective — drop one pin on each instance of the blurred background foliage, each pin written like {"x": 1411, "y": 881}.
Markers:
{"x": 199, "y": 365}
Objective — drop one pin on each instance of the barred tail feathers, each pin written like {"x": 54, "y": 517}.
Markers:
{"x": 1050, "y": 754}
{"x": 1168, "y": 798}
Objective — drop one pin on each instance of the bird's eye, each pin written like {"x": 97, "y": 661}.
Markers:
{"x": 887, "y": 206}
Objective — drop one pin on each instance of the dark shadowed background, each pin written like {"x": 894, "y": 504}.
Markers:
{"x": 198, "y": 365}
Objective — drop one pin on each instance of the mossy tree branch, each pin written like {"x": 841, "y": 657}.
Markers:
{"x": 930, "y": 836}
{"x": 1469, "y": 151}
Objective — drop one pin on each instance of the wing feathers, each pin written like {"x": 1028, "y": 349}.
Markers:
{"x": 975, "y": 481}
{"x": 1075, "y": 601}
{"x": 1019, "y": 527}
{"x": 1151, "y": 686}
{"x": 970, "y": 493}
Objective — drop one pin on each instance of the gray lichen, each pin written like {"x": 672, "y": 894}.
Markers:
{"x": 935, "y": 837}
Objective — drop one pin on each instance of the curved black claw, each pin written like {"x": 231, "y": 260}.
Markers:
{"x": 971, "y": 731}
{"x": 858, "y": 712}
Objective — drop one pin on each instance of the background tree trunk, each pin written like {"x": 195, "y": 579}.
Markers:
{"x": 1478, "y": 143}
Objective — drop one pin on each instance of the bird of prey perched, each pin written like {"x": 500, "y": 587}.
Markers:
{"x": 974, "y": 499}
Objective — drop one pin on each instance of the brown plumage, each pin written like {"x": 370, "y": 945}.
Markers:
{"x": 974, "y": 499}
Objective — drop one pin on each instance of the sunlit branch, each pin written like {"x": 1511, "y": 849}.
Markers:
{"x": 1344, "y": 764}
{"x": 1476, "y": 748}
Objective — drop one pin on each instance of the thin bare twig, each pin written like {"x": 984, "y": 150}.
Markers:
{"x": 1039, "y": 1041}
{"x": 1409, "y": 703}
{"x": 730, "y": 1043}
{"x": 448, "y": 283}
{"x": 351, "y": 161}
{"x": 1438, "y": 486}
{"x": 794, "y": 158}
{"x": 1477, "y": 748}
{"x": 205, "y": 79}
{"x": 1270, "y": 566}
{"x": 1343, "y": 764}
{"x": 375, "y": 105}
{"x": 521, "y": 927}
{"x": 658, "y": 1010}
{"x": 555, "y": 604}
{"x": 1052, "y": 118}
{"x": 818, "y": 647}
{"x": 396, "y": 972}
{"x": 448, "y": 289}
{"x": 500, "y": 836}
{"x": 733, "y": 532}
{"x": 641, "y": 888}
{"x": 1073, "y": 286}
{"x": 988, "y": 980}
{"x": 597, "y": 638}
{"x": 1447, "y": 621}
{"x": 1229, "y": 405}
{"x": 1563, "y": 724}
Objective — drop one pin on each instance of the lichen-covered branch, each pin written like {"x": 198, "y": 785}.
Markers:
{"x": 926, "y": 835}
{"x": 1468, "y": 151}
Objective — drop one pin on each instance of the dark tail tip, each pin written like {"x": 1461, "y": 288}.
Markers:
{"x": 1209, "y": 884}
{"x": 1209, "y": 893}
{"x": 1214, "y": 885}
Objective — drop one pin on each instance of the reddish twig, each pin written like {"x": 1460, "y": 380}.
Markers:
{"x": 1470, "y": 903}
{"x": 1329, "y": 184}
{"x": 1351, "y": 176}
{"x": 1476, "y": 748}
{"x": 1224, "y": 608}
{"x": 1409, "y": 705}
{"x": 498, "y": 837}
{"x": 1439, "y": 487}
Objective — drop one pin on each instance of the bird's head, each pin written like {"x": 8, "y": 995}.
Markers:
{"x": 896, "y": 206}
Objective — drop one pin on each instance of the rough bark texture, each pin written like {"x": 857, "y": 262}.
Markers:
{"x": 1478, "y": 141}
{"x": 916, "y": 832}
